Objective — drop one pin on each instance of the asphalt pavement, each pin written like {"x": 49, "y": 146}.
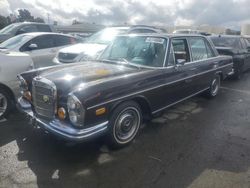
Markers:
{"x": 198, "y": 143}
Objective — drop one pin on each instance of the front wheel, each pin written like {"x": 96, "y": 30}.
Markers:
{"x": 5, "y": 103}
{"x": 125, "y": 122}
{"x": 214, "y": 87}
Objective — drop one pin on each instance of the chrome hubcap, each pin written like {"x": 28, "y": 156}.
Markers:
{"x": 215, "y": 86}
{"x": 3, "y": 104}
{"x": 126, "y": 125}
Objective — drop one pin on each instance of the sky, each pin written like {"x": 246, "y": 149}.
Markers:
{"x": 229, "y": 13}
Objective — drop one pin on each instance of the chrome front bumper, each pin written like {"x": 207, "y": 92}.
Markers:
{"x": 63, "y": 129}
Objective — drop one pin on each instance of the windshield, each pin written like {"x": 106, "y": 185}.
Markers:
{"x": 8, "y": 29}
{"x": 14, "y": 42}
{"x": 225, "y": 41}
{"x": 138, "y": 50}
{"x": 105, "y": 36}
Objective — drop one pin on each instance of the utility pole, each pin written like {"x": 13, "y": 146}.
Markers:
{"x": 48, "y": 18}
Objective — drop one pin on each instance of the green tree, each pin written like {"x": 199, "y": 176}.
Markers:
{"x": 24, "y": 15}
{"x": 3, "y": 21}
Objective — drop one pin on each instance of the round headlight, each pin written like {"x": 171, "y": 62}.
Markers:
{"x": 73, "y": 117}
{"x": 75, "y": 110}
{"x": 71, "y": 103}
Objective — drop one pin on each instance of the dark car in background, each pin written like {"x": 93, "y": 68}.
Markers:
{"x": 136, "y": 77}
{"x": 236, "y": 46}
{"x": 23, "y": 27}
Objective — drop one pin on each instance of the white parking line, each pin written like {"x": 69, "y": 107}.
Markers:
{"x": 236, "y": 90}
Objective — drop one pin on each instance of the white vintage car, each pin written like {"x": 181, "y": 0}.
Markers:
{"x": 11, "y": 64}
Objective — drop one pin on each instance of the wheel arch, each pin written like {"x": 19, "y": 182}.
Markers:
{"x": 7, "y": 89}
{"x": 220, "y": 73}
{"x": 142, "y": 101}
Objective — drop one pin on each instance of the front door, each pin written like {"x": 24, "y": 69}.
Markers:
{"x": 44, "y": 52}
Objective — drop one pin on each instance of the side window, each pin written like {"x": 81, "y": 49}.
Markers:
{"x": 210, "y": 53}
{"x": 243, "y": 44}
{"x": 63, "y": 40}
{"x": 43, "y": 28}
{"x": 247, "y": 42}
{"x": 171, "y": 58}
{"x": 199, "y": 49}
{"x": 180, "y": 50}
{"x": 42, "y": 42}
{"x": 28, "y": 28}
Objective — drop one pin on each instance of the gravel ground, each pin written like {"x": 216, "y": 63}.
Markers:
{"x": 198, "y": 143}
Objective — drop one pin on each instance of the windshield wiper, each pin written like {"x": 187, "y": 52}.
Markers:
{"x": 121, "y": 61}
{"x": 125, "y": 61}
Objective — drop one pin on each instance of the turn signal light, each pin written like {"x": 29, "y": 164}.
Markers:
{"x": 27, "y": 95}
{"x": 61, "y": 112}
{"x": 100, "y": 111}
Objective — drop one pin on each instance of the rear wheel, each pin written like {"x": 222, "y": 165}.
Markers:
{"x": 124, "y": 124}
{"x": 214, "y": 87}
{"x": 238, "y": 72}
{"x": 5, "y": 103}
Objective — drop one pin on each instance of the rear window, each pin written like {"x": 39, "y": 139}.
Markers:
{"x": 43, "y": 28}
{"x": 61, "y": 40}
{"x": 226, "y": 42}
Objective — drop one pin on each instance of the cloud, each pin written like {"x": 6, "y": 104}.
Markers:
{"x": 155, "y": 12}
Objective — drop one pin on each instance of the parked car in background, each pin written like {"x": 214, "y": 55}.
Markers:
{"x": 11, "y": 64}
{"x": 191, "y": 31}
{"x": 236, "y": 46}
{"x": 135, "y": 77}
{"x": 42, "y": 47}
{"x": 95, "y": 44}
{"x": 23, "y": 27}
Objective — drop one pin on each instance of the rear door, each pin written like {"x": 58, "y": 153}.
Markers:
{"x": 246, "y": 45}
{"x": 183, "y": 71}
{"x": 203, "y": 60}
{"x": 44, "y": 53}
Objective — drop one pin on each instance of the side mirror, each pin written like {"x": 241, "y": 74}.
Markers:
{"x": 32, "y": 46}
{"x": 180, "y": 61}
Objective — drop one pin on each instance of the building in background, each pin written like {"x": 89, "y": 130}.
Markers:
{"x": 80, "y": 28}
{"x": 245, "y": 29}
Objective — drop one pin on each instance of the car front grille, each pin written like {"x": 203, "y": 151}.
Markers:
{"x": 44, "y": 97}
{"x": 66, "y": 57}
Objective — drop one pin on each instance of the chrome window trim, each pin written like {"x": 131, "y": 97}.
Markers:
{"x": 148, "y": 89}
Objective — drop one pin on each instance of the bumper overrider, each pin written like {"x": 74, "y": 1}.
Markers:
{"x": 60, "y": 128}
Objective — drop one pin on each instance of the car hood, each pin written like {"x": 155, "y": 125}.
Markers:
{"x": 69, "y": 78}
{"x": 84, "y": 48}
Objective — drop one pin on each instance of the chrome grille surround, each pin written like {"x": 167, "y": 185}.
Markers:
{"x": 44, "y": 97}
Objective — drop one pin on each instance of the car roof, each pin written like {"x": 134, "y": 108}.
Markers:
{"x": 132, "y": 27}
{"x": 34, "y": 34}
{"x": 165, "y": 35}
{"x": 226, "y": 36}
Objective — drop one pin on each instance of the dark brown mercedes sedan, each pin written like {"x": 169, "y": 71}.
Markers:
{"x": 136, "y": 77}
